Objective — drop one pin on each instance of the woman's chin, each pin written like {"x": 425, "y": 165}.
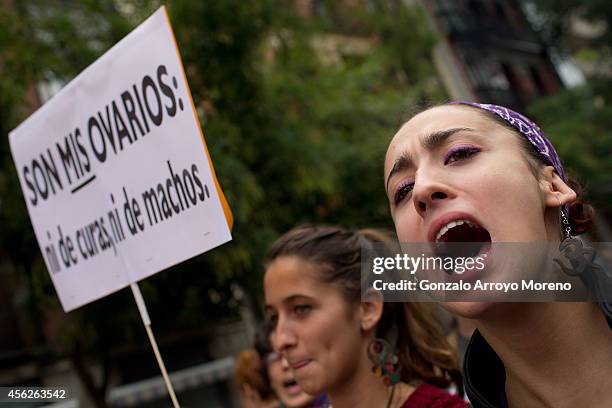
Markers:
{"x": 298, "y": 401}
{"x": 311, "y": 387}
{"x": 469, "y": 310}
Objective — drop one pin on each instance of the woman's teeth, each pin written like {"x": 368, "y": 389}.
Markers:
{"x": 451, "y": 225}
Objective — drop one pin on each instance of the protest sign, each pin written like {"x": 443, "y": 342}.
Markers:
{"x": 115, "y": 171}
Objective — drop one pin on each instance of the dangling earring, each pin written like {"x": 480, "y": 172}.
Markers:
{"x": 580, "y": 256}
{"x": 385, "y": 361}
{"x": 581, "y": 259}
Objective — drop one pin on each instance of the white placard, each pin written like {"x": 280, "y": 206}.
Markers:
{"x": 115, "y": 171}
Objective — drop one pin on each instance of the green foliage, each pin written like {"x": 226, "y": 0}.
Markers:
{"x": 578, "y": 120}
{"x": 560, "y": 14}
{"x": 578, "y": 124}
{"x": 293, "y": 138}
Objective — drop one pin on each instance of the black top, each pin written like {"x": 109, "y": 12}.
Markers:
{"x": 484, "y": 375}
{"x": 484, "y": 372}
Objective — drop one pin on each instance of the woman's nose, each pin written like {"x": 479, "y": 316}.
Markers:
{"x": 283, "y": 336}
{"x": 428, "y": 193}
{"x": 285, "y": 364}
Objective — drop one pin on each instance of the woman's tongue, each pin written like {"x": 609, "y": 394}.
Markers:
{"x": 292, "y": 387}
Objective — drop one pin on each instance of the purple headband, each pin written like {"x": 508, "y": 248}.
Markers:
{"x": 527, "y": 128}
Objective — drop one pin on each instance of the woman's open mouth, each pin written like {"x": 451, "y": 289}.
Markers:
{"x": 292, "y": 386}
{"x": 459, "y": 236}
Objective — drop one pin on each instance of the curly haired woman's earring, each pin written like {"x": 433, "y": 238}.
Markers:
{"x": 385, "y": 361}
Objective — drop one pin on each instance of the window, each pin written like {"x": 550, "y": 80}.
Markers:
{"x": 537, "y": 79}
{"x": 477, "y": 8}
{"x": 500, "y": 11}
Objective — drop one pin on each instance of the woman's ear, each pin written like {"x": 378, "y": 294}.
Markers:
{"x": 370, "y": 312}
{"x": 556, "y": 191}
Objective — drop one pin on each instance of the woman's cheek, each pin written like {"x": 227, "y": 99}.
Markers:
{"x": 405, "y": 225}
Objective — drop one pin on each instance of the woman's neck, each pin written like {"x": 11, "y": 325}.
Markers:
{"x": 555, "y": 354}
{"x": 364, "y": 389}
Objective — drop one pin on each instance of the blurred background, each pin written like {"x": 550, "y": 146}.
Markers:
{"x": 298, "y": 100}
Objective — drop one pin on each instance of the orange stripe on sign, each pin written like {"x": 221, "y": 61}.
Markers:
{"x": 229, "y": 217}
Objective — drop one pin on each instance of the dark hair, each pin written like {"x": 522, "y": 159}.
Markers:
{"x": 423, "y": 351}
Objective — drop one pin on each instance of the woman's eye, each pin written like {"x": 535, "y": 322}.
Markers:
{"x": 302, "y": 309}
{"x": 271, "y": 321}
{"x": 460, "y": 153}
{"x": 402, "y": 192}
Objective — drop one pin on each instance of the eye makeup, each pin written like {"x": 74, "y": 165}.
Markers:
{"x": 402, "y": 191}
{"x": 459, "y": 153}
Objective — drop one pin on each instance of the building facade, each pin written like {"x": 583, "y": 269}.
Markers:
{"x": 488, "y": 52}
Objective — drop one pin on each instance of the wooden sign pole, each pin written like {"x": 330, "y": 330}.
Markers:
{"x": 142, "y": 308}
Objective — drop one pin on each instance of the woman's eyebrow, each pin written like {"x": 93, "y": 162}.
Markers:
{"x": 437, "y": 139}
{"x": 429, "y": 142}
{"x": 401, "y": 163}
{"x": 289, "y": 300}
{"x": 295, "y": 298}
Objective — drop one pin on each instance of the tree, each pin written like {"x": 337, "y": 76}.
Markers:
{"x": 294, "y": 139}
{"x": 578, "y": 120}
{"x": 578, "y": 125}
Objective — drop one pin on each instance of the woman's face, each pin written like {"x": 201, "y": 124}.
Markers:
{"x": 452, "y": 163}
{"x": 315, "y": 329}
{"x": 284, "y": 384}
